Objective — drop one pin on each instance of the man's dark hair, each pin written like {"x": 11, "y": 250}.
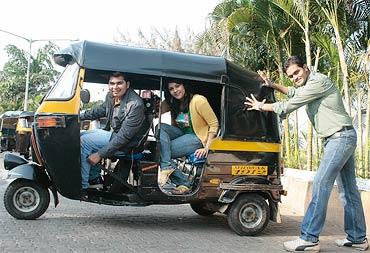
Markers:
{"x": 294, "y": 60}
{"x": 118, "y": 74}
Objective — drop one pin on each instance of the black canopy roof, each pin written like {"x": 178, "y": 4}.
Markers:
{"x": 205, "y": 71}
{"x": 116, "y": 57}
{"x": 10, "y": 114}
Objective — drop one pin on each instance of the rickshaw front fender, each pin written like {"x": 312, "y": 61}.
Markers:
{"x": 33, "y": 172}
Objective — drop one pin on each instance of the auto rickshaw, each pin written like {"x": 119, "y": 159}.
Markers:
{"x": 8, "y": 123}
{"x": 23, "y": 134}
{"x": 239, "y": 178}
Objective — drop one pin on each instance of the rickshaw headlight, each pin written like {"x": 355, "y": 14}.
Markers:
{"x": 51, "y": 121}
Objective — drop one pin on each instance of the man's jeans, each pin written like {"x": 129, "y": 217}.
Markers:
{"x": 91, "y": 142}
{"x": 337, "y": 163}
{"x": 175, "y": 144}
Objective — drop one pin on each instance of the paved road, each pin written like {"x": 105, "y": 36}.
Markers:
{"x": 84, "y": 227}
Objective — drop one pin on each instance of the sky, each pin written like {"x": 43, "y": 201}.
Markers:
{"x": 95, "y": 20}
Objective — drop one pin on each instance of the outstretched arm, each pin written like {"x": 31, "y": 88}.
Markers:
{"x": 269, "y": 83}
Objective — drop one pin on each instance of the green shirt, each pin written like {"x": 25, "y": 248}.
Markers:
{"x": 324, "y": 104}
{"x": 183, "y": 121}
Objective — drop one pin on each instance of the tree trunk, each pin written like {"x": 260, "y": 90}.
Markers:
{"x": 360, "y": 165}
{"x": 296, "y": 141}
{"x": 343, "y": 66}
{"x": 287, "y": 142}
{"x": 317, "y": 140}
{"x": 309, "y": 126}
{"x": 309, "y": 146}
{"x": 367, "y": 134}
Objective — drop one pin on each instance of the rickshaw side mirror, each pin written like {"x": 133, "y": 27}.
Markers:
{"x": 85, "y": 96}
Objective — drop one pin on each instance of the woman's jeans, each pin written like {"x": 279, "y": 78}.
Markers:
{"x": 174, "y": 144}
{"x": 91, "y": 142}
{"x": 337, "y": 163}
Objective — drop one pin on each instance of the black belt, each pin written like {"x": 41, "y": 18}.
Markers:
{"x": 345, "y": 128}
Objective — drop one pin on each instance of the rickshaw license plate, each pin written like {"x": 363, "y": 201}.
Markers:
{"x": 248, "y": 170}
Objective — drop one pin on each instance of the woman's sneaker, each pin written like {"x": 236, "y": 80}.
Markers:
{"x": 300, "y": 245}
{"x": 181, "y": 189}
{"x": 347, "y": 243}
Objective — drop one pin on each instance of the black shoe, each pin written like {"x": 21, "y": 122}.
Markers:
{"x": 84, "y": 195}
{"x": 96, "y": 183}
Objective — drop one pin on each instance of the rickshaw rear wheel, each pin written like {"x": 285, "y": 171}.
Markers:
{"x": 248, "y": 215}
{"x": 201, "y": 208}
{"x": 26, "y": 200}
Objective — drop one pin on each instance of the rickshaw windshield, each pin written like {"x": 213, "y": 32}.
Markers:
{"x": 22, "y": 122}
{"x": 64, "y": 87}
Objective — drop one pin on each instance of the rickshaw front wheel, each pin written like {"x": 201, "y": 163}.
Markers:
{"x": 248, "y": 214}
{"x": 26, "y": 200}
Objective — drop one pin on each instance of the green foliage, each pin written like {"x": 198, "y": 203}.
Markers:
{"x": 91, "y": 105}
{"x": 261, "y": 34}
{"x": 13, "y": 77}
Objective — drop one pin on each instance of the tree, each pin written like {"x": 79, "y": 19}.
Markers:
{"x": 13, "y": 77}
{"x": 165, "y": 39}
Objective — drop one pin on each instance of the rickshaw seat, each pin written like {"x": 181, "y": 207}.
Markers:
{"x": 133, "y": 156}
{"x": 194, "y": 168}
{"x": 194, "y": 160}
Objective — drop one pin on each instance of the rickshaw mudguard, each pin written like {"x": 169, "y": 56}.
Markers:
{"x": 245, "y": 184}
{"x": 35, "y": 173}
{"x": 271, "y": 192}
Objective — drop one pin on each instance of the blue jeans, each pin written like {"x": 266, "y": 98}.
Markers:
{"x": 91, "y": 142}
{"x": 338, "y": 164}
{"x": 174, "y": 144}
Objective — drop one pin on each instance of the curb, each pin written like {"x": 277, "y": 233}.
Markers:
{"x": 298, "y": 184}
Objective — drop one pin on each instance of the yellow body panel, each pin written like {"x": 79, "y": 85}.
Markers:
{"x": 23, "y": 129}
{"x": 227, "y": 145}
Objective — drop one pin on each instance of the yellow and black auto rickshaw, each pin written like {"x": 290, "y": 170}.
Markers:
{"x": 240, "y": 177}
{"x": 8, "y": 123}
{"x": 23, "y": 134}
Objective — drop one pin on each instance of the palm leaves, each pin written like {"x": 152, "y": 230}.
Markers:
{"x": 260, "y": 33}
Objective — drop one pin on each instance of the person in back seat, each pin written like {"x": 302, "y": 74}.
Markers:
{"x": 194, "y": 126}
{"x": 125, "y": 128}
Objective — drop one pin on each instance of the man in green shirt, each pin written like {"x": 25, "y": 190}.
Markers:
{"x": 325, "y": 109}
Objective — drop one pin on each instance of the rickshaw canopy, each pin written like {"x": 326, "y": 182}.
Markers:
{"x": 209, "y": 76}
{"x": 104, "y": 56}
{"x": 26, "y": 114}
{"x": 10, "y": 114}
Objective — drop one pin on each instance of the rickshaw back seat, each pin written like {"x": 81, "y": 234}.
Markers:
{"x": 129, "y": 156}
{"x": 194, "y": 160}
{"x": 192, "y": 166}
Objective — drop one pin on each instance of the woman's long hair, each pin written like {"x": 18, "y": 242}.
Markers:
{"x": 173, "y": 102}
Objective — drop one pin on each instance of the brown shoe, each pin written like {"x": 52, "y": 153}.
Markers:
{"x": 181, "y": 189}
{"x": 164, "y": 176}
